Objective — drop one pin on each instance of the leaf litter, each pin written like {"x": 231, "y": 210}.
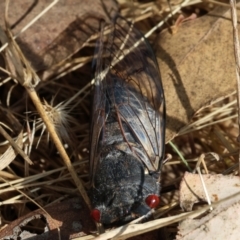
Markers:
{"x": 213, "y": 129}
{"x": 221, "y": 189}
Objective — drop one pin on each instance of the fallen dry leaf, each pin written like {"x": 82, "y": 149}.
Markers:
{"x": 221, "y": 225}
{"x": 223, "y": 221}
{"x": 218, "y": 187}
{"x": 197, "y": 64}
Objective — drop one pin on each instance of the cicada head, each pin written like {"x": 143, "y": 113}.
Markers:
{"x": 124, "y": 211}
{"x": 125, "y": 194}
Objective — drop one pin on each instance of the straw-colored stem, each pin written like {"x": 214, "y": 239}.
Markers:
{"x": 33, "y": 95}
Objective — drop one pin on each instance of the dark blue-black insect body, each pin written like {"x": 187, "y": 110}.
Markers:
{"x": 128, "y": 126}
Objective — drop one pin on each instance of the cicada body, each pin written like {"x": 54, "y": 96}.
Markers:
{"x": 128, "y": 126}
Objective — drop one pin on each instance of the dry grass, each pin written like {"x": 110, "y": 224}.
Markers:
{"x": 47, "y": 180}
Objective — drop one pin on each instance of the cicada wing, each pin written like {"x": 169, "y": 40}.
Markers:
{"x": 138, "y": 99}
{"x": 99, "y": 106}
{"x": 142, "y": 105}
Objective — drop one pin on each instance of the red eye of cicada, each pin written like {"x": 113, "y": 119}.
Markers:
{"x": 152, "y": 201}
{"x": 95, "y": 214}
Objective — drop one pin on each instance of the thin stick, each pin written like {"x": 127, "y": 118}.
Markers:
{"x": 237, "y": 60}
{"x": 50, "y": 127}
{"x": 205, "y": 189}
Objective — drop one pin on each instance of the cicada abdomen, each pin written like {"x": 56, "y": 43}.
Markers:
{"x": 128, "y": 126}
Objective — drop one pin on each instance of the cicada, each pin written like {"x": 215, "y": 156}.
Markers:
{"x": 128, "y": 126}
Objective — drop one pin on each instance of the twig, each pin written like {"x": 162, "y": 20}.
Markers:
{"x": 205, "y": 189}
{"x": 50, "y": 127}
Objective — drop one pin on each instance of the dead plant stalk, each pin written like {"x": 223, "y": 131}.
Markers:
{"x": 50, "y": 127}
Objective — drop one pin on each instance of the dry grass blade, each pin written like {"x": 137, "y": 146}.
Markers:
{"x": 23, "y": 194}
{"x": 10, "y": 154}
{"x": 14, "y": 145}
{"x": 209, "y": 118}
{"x": 31, "y": 180}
